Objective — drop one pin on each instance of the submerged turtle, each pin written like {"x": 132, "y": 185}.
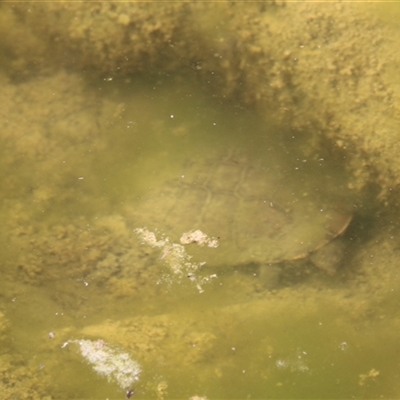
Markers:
{"x": 256, "y": 214}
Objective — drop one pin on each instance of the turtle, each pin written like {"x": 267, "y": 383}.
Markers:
{"x": 248, "y": 210}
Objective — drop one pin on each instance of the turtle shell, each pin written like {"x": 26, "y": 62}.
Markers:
{"x": 251, "y": 209}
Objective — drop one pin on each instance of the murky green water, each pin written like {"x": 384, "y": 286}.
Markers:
{"x": 79, "y": 154}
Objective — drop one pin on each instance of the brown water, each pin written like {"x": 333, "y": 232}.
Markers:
{"x": 77, "y": 155}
